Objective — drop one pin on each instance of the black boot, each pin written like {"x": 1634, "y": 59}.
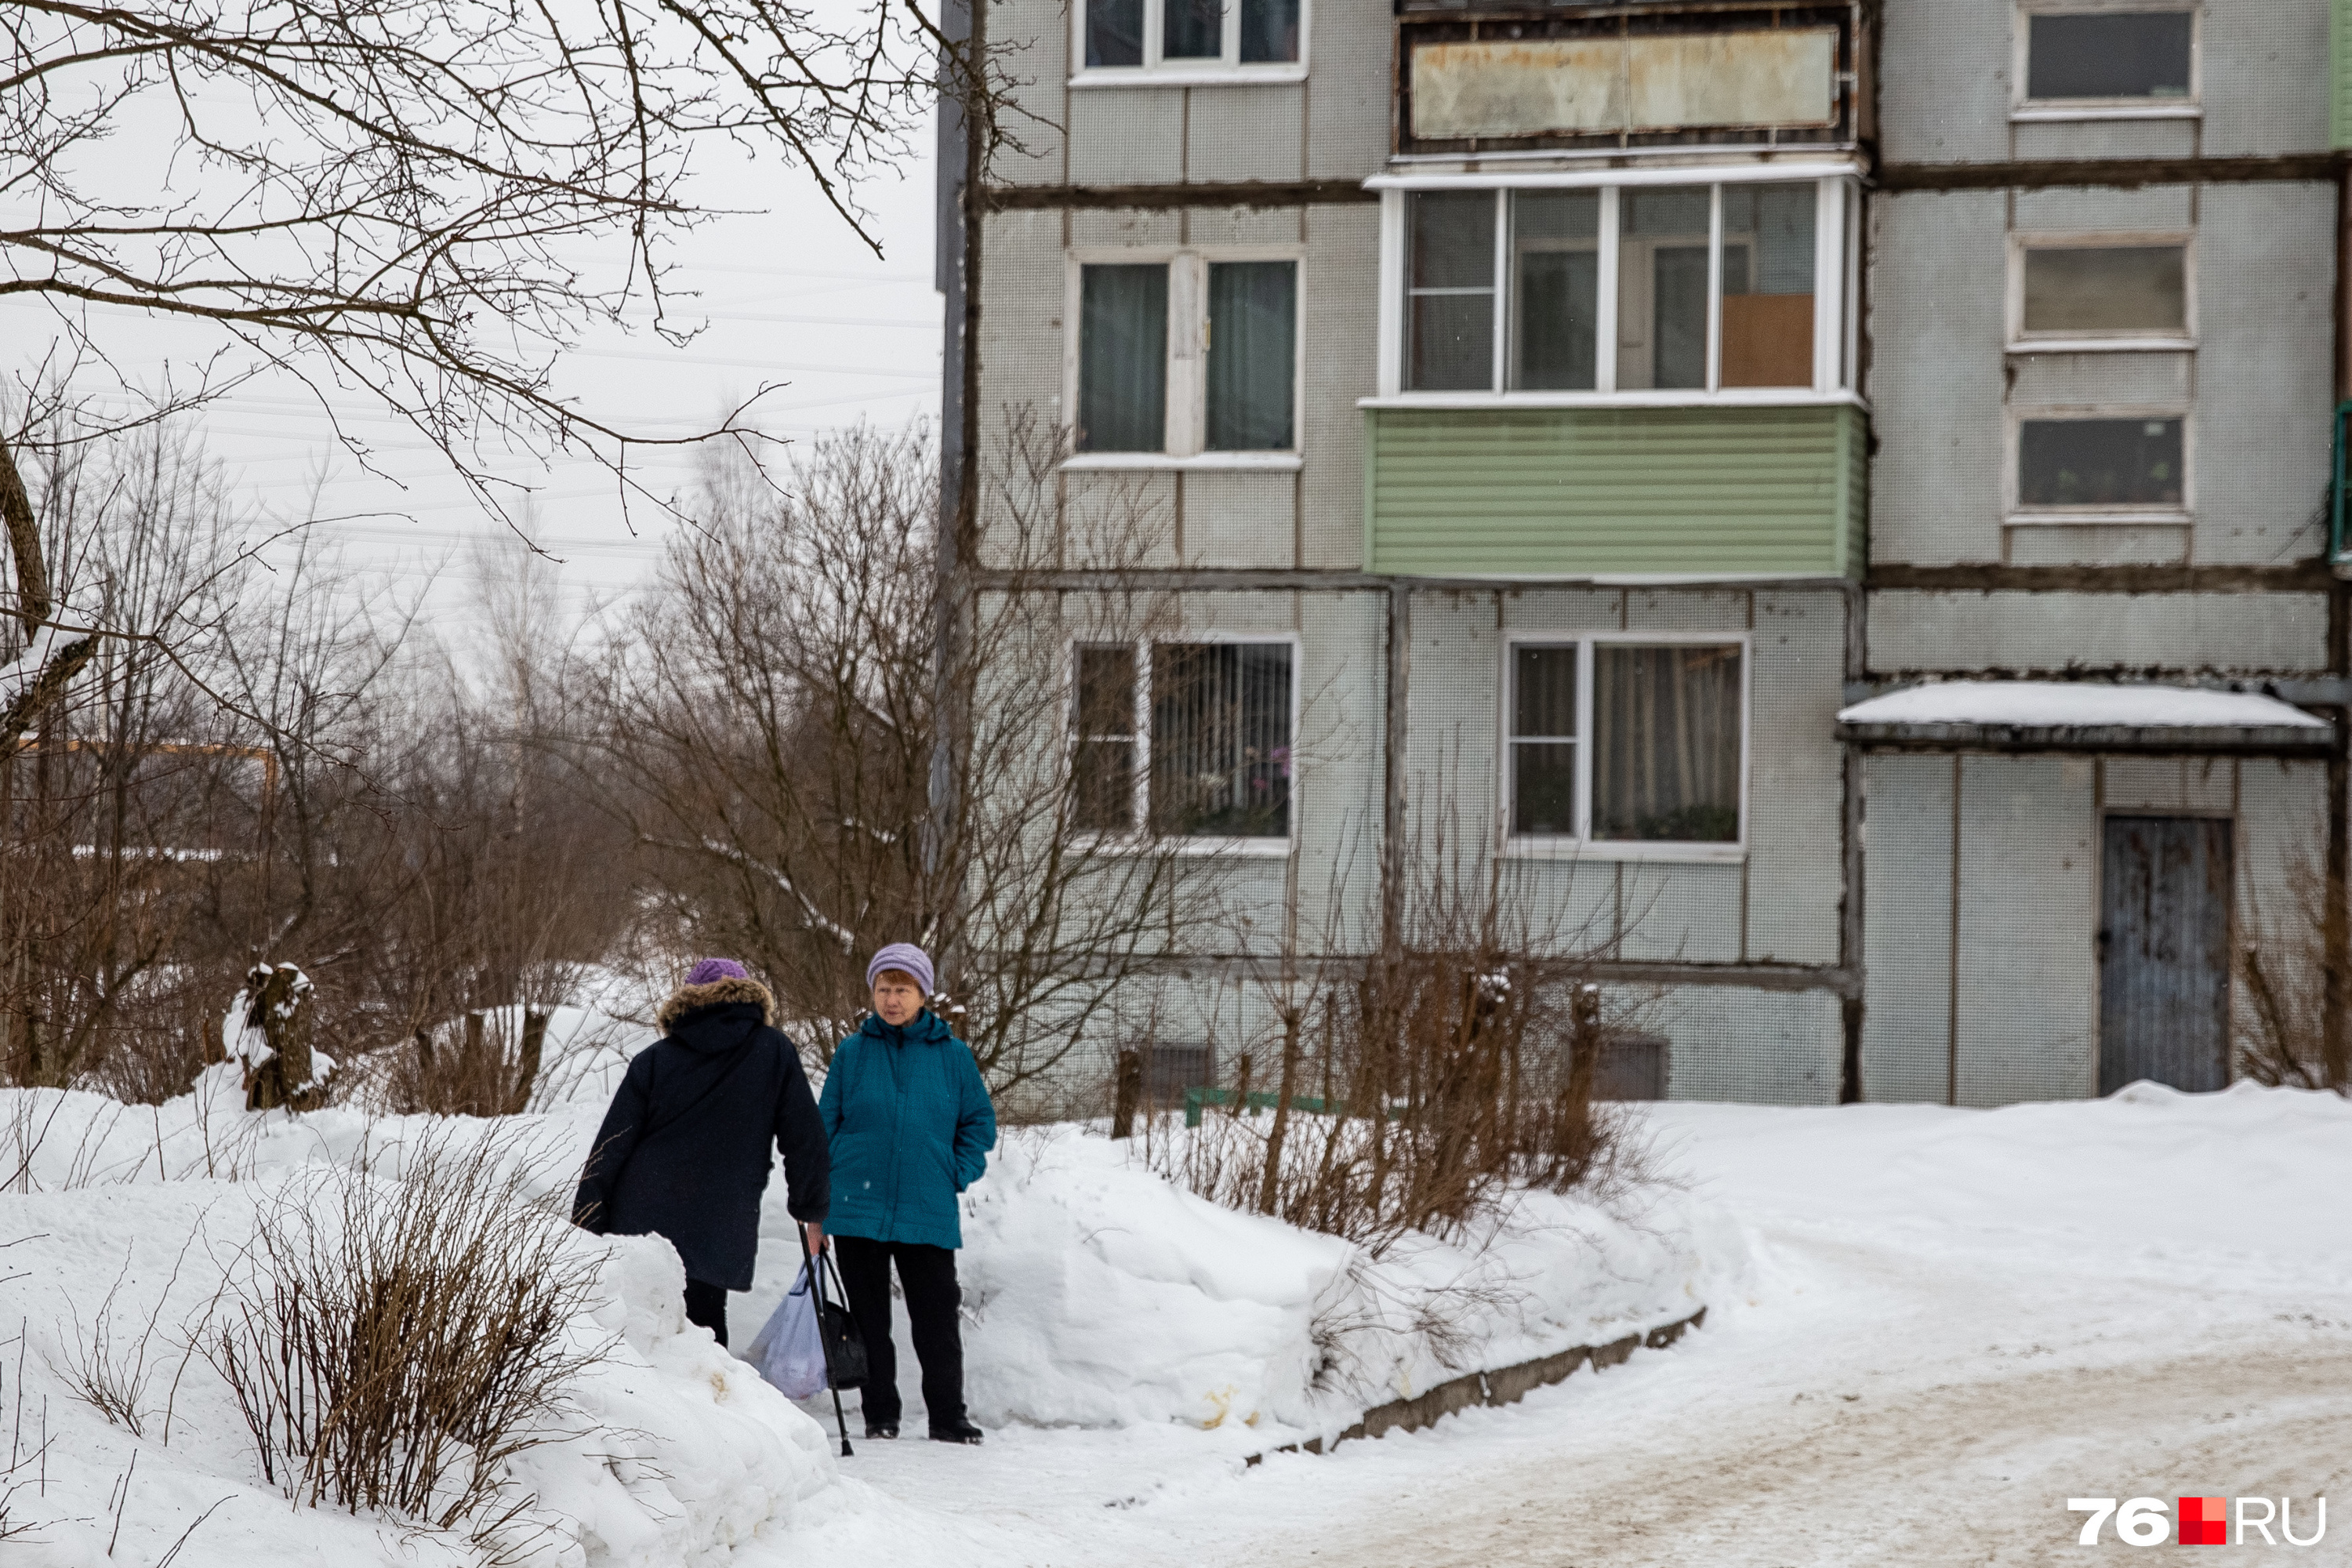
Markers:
{"x": 960, "y": 1431}
{"x": 880, "y": 1430}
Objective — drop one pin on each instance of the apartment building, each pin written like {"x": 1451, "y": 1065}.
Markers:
{"x": 1826, "y": 505}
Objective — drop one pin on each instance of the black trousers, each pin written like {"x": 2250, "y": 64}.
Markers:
{"x": 706, "y": 1305}
{"x": 927, "y": 1275}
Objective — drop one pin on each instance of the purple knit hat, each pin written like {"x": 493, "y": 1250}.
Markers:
{"x": 710, "y": 969}
{"x": 905, "y": 957}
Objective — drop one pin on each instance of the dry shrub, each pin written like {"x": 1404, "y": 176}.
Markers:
{"x": 2282, "y": 1027}
{"x": 391, "y": 1344}
{"x": 1482, "y": 1066}
{"x": 485, "y": 1064}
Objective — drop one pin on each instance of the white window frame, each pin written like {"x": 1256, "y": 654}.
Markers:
{"x": 1835, "y": 215}
{"x": 2136, "y": 340}
{"x": 1188, "y": 359}
{"x": 1157, "y": 71}
{"x": 1138, "y": 839}
{"x": 1581, "y": 845}
{"x": 2027, "y": 110}
{"x": 2019, "y": 515}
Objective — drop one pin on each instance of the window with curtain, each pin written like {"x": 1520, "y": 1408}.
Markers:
{"x": 1625, "y": 742}
{"x": 1139, "y": 391}
{"x": 1543, "y": 740}
{"x": 1123, "y": 359}
{"x": 1252, "y": 355}
{"x": 1221, "y": 740}
{"x": 1213, "y": 759}
{"x": 1665, "y": 744}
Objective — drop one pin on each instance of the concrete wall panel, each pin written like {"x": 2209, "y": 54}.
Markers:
{"x": 1764, "y": 1048}
{"x": 2043, "y": 381}
{"x": 1908, "y": 929}
{"x": 1247, "y": 132}
{"x": 2022, "y": 632}
{"x": 2099, "y": 545}
{"x": 2259, "y": 454}
{"x": 2106, "y": 139}
{"x": 1128, "y": 136}
{"x": 1936, "y": 323}
{"x": 1240, "y": 519}
{"x": 2266, "y": 75}
{"x": 1945, "y": 72}
{"x": 1341, "y": 324}
{"x": 1795, "y": 778}
{"x": 2028, "y": 979}
{"x": 2087, "y": 209}
{"x": 1348, "y": 93}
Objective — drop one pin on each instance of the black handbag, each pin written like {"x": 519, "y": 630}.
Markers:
{"x": 845, "y": 1347}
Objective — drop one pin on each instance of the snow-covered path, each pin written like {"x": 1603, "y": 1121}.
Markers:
{"x": 1963, "y": 1319}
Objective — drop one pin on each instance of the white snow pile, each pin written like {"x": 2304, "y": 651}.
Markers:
{"x": 1097, "y": 1295}
{"x": 116, "y": 1234}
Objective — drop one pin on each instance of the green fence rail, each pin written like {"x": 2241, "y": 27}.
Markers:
{"x": 1200, "y": 1095}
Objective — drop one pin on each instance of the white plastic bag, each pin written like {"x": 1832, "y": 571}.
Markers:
{"x": 790, "y": 1352}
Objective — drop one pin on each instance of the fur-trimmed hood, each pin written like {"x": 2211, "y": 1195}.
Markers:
{"x": 717, "y": 993}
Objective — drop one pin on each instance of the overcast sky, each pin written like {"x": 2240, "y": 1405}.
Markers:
{"x": 793, "y": 297}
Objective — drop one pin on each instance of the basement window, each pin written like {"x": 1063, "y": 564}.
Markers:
{"x": 1640, "y": 293}
{"x": 1191, "y": 356}
{"x": 2139, "y": 58}
{"x": 1635, "y": 743}
{"x": 1183, "y": 741}
{"x": 1148, "y": 40}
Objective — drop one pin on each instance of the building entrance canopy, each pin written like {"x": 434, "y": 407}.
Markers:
{"x": 2081, "y": 716}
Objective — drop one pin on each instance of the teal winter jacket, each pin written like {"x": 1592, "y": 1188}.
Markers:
{"x": 911, "y": 1127}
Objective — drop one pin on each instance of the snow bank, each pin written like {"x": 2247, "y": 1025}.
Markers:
{"x": 1097, "y": 1296}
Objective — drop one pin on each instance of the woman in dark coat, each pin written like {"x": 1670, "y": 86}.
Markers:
{"x": 911, "y": 1127}
{"x": 682, "y": 1153}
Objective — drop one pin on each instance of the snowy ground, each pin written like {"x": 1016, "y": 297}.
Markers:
{"x": 1962, "y": 1319}
{"x": 1927, "y": 1329}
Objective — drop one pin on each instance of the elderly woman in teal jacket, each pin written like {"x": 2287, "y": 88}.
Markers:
{"x": 911, "y": 1126}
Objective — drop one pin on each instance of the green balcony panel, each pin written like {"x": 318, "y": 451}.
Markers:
{"x": 1574, "y": 493}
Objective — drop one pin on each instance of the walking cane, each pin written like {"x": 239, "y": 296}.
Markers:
{"x": 823, "y": 1333}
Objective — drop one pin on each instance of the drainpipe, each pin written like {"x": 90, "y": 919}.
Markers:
{"x": 2335, "y": 925}
{"x": 956, "y": 274}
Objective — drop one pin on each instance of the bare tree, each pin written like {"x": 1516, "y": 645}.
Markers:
{"x": 407, "y": 196}
{"x": 770, "y": 738}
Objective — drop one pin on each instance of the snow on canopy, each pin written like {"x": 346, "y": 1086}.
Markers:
{"x": 2075, "y": 704}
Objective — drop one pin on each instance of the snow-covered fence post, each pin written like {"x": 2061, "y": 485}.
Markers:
{"x": 268, "y": 1030}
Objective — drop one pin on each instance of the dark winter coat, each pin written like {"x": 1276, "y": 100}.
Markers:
{"x": 911, "y": 1127}
{"x": 682, "y": 1153}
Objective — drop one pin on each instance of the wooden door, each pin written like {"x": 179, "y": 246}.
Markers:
{"x": 2164, "y": 953}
